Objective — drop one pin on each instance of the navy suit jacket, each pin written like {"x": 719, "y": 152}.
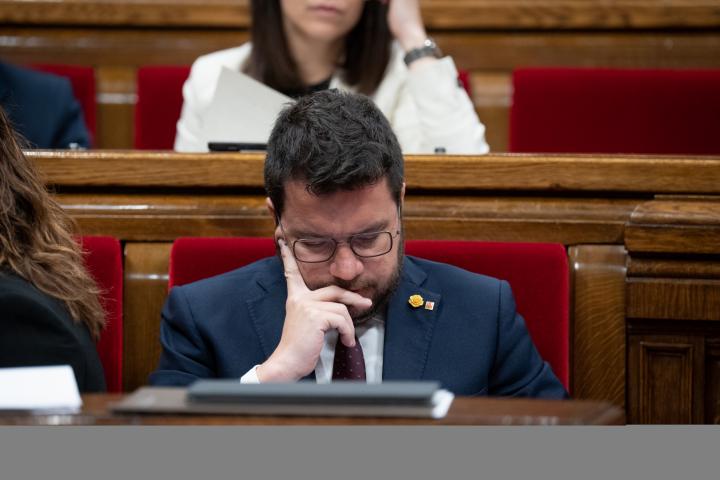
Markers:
{"x": 473, "y": 342}
{"x": 42, "y": 108}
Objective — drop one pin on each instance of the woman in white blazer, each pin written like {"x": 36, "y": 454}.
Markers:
{"x": 376, "y": 47}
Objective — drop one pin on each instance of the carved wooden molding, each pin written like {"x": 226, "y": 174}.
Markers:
{"x": 690, "y": 225}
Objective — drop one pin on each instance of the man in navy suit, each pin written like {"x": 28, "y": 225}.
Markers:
{"x": 42, "y": 108}
{"x": 341, "y": 300}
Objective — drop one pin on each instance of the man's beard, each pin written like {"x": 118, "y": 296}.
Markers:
{"x": 382, "y": 295}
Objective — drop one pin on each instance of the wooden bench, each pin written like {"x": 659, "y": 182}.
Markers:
{"x": 642, "y": 235}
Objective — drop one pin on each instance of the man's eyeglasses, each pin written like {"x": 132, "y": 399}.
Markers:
{"x": 363, "y": 245}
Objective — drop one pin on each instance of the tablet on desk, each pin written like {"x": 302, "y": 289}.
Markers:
{"x": 236, "y": 147}
{"x": 230, "y": 397}
{"x": 304, "y": 393}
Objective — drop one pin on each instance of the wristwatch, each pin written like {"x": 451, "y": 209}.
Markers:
{"x": 428, "y": 49}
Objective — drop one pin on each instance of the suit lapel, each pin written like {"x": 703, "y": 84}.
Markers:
{"x": 267, "y": 309}
{"x": 408, "y": 329}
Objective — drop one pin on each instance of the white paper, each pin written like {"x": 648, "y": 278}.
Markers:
{"x": 39, "y": 389}
{"x": 242, "y": 110}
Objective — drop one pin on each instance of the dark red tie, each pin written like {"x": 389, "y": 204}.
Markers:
{"x": 349, "y": 363}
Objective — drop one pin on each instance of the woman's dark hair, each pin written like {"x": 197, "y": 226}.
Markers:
{"x": 367, "y": 49}
{"x": 332, "y": 141}
{"x": 36, "y": 241}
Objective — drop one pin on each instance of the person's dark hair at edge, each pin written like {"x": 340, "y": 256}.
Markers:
{"x": 367, "y": 49}
{"x": 332, "y": 141}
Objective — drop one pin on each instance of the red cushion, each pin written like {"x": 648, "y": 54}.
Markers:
{"x": 464, "y": 81}
{"x": 103, "y": 258}
{"x": 193, "y": 259}
{"x": 575, "y": 110}
{"x": 82, "y": 80}
{"x": 538, "y": 274}
{"x": 159, "y": 102}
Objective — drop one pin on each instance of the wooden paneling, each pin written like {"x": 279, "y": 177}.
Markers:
{"x": 673, "y": 268}
{"x": 667, "y": 376}
{"x": 115, "y": 106}
{"x": 556, "y": 173}
{"x": 99, "y": 46}
{"x": 712, "y": 382}
{"x": 682, "y": 299}
{"x": 438, "y": 14}
{"x": 164, "y": 217}
{"x": 676, "y": 226}
{"x": 598, "y": 329}
{"x": 504, "y": 51}
{"x": 146, "y": 277}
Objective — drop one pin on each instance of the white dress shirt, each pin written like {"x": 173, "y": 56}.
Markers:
{"x": 371, "y": 335}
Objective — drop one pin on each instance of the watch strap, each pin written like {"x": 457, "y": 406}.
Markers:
{"x": 428, "y": 49}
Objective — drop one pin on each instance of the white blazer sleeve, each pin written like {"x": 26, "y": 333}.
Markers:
{"x": 188, "y": 137}
{"x": 434, "y": 111}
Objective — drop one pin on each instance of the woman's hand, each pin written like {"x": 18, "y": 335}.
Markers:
{"x": 405, "y": 22}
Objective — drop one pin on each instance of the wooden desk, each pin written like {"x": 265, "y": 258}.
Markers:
{"x": 642, "y": 233}
{"x": 464, "y": 411}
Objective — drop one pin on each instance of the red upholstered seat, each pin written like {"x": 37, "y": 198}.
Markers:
{"x": 159, "y": 102}
{"x": 574, "y": 110}
{"x": 103, "y": 258}
{"x": 538, "y": 274}
{"x": 82, "y": 80}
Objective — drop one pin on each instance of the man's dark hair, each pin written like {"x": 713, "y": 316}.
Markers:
{"x": 367, "y": 49}
{"x": 332, "y": 141}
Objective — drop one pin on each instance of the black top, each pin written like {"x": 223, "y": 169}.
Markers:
{"x": 324, "y": 85}
{"x": 37, "y": 329}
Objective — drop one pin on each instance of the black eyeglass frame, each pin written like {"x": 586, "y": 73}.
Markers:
{"x": 347, "y": 240}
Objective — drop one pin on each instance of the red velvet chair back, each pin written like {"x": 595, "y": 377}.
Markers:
{"x": 103, "y": 258}
{"x": 538, "y": 274}
{"x": 82, "y": 80}
{"x": 195, "y": 258}
{"x": 570, "y": 110}
{"x": 159, "y": 102}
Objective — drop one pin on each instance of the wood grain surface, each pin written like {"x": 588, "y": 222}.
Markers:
{"x": 559, "y": 173}
{"x": 598, "y": 347}
{"x": 440, "y": 14}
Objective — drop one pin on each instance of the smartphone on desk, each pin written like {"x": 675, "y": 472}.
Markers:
{"x": 236, "y": 147}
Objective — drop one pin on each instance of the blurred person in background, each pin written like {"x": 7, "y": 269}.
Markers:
{"x": 376, "y": 47}
{"x": 42, "y": 108}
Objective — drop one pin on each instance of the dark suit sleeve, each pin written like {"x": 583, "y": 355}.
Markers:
{"x": 31, "y": 334}
{"x": 518, "y": 369}
{"x": 185, "y": 356}
{"x": 71, "y": 122}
